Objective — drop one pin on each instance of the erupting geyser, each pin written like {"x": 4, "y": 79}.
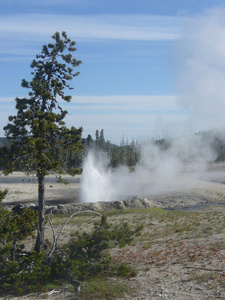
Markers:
{"x": 95, "y": 184}
{"x": 158, "y": 171}
{"x": 201, "y": 90}
{"x": 99, "y": 183}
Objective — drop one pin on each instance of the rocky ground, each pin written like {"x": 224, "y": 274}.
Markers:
{"x": 183, "y": 191}
{"x": 183, "y": 259}
{"x": 180, "y": 253}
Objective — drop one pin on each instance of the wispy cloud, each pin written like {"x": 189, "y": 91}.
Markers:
{"x": 34, "y": 27}
{"x": 125, "y": 104}
{"x": 133, "y": 126}
{"x": 136, "y": 115}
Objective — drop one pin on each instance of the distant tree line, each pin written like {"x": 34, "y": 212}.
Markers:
{"x": 126, "y": 153}
{"x": 216, "y": 139}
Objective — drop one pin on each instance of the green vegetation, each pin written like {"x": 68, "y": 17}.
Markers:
{"x": 99, "y": 289}
{"x": 2, "y": 196}
{"x": 160, "y": 223}
{"x": 85, "y": 258}
{"x": 37, "y": 134}
{"x": 82, "y": 259}
{"x": 14, "y": 262}
{"x": 128, "y": 154}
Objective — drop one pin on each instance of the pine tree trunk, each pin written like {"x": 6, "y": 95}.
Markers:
{"x": 13, "y": 250}
{"x": 41, "y": 213}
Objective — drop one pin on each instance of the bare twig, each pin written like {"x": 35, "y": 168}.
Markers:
{"x": 204, "y": 269}
{"x": 54, "y": 291}
{"x": 51, "y": 292}
{"x": 47, "y": 246}
{"x": 53, "y": 231}
{"x": 48, "y": 257}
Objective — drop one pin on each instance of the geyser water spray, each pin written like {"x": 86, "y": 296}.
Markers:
{"x": 158, "y": 171}
{"x": 100, "y": 183}
{"x": 201, "y": 95}
{"x": 96, "y": 179}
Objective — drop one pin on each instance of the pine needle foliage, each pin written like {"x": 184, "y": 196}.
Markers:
{"x": 84, "y": 259}
{"x": 38, "y": 133}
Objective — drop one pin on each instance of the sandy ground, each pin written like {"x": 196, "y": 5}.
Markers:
{"x": 185, "y": 190}
{"x": 177, "y": 258}
{"x": 23, "y": 188}
{"x": 182, "y": 265}
{"x": 174, "y": 262}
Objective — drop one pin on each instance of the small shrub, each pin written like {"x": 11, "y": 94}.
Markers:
{"x": 99, "y": 289}
{"x": 15, "y": 264}
{"x": 2, "y": 196}
{"x": 84, "y": 258}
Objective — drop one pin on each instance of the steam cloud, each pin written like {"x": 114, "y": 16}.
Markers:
{"x": 157, "y": 172}
{"x": 201, "y": 95}
{"x": 201, "y": 70}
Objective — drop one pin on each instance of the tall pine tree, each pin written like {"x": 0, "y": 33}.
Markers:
{"x": 37, "y": 133}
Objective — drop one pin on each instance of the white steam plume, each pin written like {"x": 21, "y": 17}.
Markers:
{"x": 201, "y": 70}
{"x": 201, "y": 95}
{"x": 158, "y": 171}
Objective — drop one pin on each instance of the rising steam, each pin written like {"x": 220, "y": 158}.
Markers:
{"x": 201, "y": 95}
{"x": 158, "y": 171}
{"x": 200, "y": 61}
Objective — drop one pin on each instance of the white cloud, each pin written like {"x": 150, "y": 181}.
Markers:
{"x": 33, "y": 27}
{"x": 126, "y": 104}
{"x": 133, "y": 126}
{"x": 135, "y": 116}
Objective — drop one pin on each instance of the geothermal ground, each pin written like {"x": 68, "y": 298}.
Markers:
{"x": 185, "y": 190}
{"x": 180, "y": 253}
{"x": 23, "y": 189}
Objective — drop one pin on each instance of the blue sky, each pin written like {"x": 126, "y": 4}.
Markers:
{"x": 127, "y": 82}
